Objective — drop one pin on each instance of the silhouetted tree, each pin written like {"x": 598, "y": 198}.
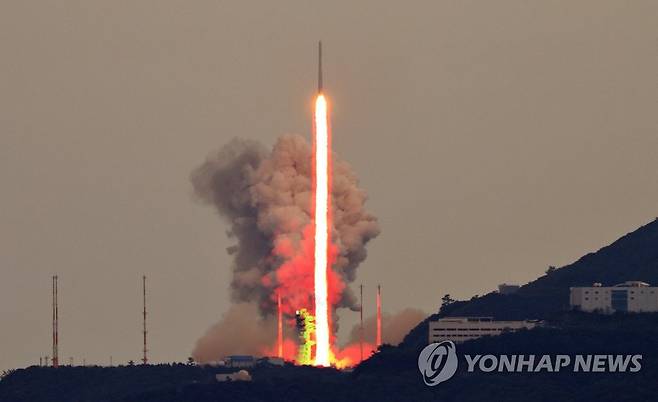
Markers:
{"x": 446, "y": 300}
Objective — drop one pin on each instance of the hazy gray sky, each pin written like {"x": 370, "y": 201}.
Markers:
{"x": 494, "y": 139}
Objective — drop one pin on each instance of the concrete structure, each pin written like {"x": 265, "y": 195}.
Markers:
{"x": 507, "y": 289}
{"x": 631, "y": 296}
{"x": 274, "y": 361}
{"x": 242, "y": 375}
{"x": 240, "y": 361}
{"x": 460, "y": 329}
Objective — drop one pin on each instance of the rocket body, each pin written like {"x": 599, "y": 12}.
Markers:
{"x": 320, "y": 67}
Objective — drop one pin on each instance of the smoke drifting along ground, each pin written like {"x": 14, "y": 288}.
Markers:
{"x": 238, "y": 332}
{"x": 266, "y": 198}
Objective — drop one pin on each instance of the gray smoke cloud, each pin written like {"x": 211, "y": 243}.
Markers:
{"x": 265, "y": 197}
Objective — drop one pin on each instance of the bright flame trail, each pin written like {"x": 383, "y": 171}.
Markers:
{"x": 321, "y": 231}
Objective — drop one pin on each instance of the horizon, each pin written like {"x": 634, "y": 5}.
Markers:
{"x": 492, "y": 140}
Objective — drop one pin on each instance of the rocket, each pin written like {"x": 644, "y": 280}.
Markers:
{"x": 319, "y": 67}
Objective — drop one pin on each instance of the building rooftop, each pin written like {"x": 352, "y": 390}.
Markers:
{"x": 632, "y": 284}
{"x": 627, "y": 284}
{"x": 479, "y": 319}
{"x": 240, "y": 358}
{"x": 466, "y": 319}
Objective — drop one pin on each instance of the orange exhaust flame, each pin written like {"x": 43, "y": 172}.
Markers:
{"x": 350, "y": 355}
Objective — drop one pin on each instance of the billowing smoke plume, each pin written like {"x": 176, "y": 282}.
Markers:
{"x": 266, "y": 198}
{"x": 394, "y": 326}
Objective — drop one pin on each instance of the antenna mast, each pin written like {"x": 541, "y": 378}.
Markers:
{"x": 361, "y": 327}
{"x": 145, "y": 358}
{"x": 279, "y": 332}
{"x": 55, "y": 324}
{"x": 379, "y": 316}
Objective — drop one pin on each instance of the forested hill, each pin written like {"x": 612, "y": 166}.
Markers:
{"x": 632, "y": 257}
{"x": 391, "y": 375}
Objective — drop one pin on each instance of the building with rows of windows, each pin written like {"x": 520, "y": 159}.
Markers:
{"x": 460, "y": 329}
{"x": 632, "y": 296}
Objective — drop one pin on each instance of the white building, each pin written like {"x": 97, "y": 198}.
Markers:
{"x": 460, "y": 329}
{"x": 508, "y": 289}
{"x": 242, "y": 375}
{"x": 632, "y": 296}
